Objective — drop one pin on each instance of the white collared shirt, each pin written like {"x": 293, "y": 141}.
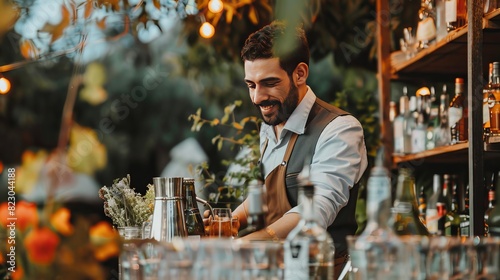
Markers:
{"x": 338, "y": 163}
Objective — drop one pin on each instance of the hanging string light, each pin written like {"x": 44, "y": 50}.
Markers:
{"x": 215, "y": 6}
{"x": 207, "y": 30}
{"x": 4, "y": 85}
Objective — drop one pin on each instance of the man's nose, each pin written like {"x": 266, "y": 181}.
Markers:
{"x": 259, "y": 94}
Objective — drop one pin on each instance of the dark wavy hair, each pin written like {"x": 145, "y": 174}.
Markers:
{"x": 276, "y": 41}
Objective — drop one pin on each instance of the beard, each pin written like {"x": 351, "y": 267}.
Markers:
{"x": 285, "y": 108}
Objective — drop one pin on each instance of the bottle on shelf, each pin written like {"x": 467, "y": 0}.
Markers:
{"x": 456, "y": 14}
{"x": 422, "y": 204}
{"x": 192, "y": 215}
{"x": 372, "y": 251}
{"x": 426, "y": 29}
{"x": 441, "y": 27}
{"x": 418, "y": 134}
{"x": 494, "y": 215}
{"x": 489, "y": 5}
{"x": 443, "y": 204}
{"x": 452, "y": 223}
{"x": 433, "y": 121}
{"x": 405, "y": 211}
{"x": 487, "y": 90}
{"x": 392, "y": 111}
{"x": 458, "y": 114}
{"x": 432, "y": 214}
{"x": 465, "y": 215}
{"x": 442, "y": 133}
{"x": 494, "y": 99}
{"x": 308, "y": 248}
{"x": 256, "y": 219}
{"x": 402, "y": 141}
{"x": 490, "y": 187}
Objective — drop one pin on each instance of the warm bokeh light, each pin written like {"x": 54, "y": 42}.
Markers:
{"x": 215, "y": 6}
{"x": 423, "y": 91}
{"x": 4, "y": 85}
{"x": 207, "y": 30}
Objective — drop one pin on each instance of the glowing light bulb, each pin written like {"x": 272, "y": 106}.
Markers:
{"x": 215, "y": 6}
{"x": 4, "y": 85}
{"x": 207, "y": 30}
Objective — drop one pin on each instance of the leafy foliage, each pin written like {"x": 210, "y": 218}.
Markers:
{"x": 243, "y": 135}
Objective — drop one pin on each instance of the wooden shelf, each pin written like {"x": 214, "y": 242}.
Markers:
{"x": 448, "y": 57}
{"x": 451, "y": 153}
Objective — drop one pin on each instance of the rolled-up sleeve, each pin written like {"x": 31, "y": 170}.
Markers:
{"x": 338, "y": 163}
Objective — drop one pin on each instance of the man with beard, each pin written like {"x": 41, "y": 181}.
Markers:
{"x": 276, "y": 64}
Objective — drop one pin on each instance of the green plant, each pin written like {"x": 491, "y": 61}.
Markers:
{"x": 243, "y": 136}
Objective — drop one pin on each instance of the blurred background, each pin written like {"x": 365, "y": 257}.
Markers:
{"x": 101, "y": 89}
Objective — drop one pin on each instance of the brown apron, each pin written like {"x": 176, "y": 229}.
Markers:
{"x": 276, "y": 192}
{"x": 275, "y": 185}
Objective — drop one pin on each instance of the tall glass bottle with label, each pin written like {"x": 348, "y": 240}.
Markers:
{"x": 192, "y": 215}
{"x": 465, "y": 215}
{"x": 458, "y": 114}
{"x": 376, "y": 252}
{"x": 431, "y": 216}
{"x": 402, "y": 141}
{"x": 407, "y": 220}
{"x": 452, "y": 222}
{"x": 487, "y": 91}
{"x": 442, "y": 134}
{"x": 433, "y": 122}
{"x": 494, "y": 100}
{"x": 308, "y": 249}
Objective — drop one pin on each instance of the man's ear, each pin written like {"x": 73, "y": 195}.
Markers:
{"x": 300, "y": 74}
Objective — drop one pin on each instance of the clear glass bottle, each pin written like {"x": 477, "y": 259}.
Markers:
{"x": 452, "y": 222}
{"x": 443, "y": 137}
{"x": 192, "y": 215}
{"x": 308, "y": 248}
{"x": 418, "y": 135}
{"x": 494, "y": 216}
{"x": 426, "y": 29}
{"x": 402, "y": 141}
{"x": 433, "y": 122}
{"x": 405, "y": 211}
{"x": 458, "y": 114}
{"x": 376, "y": 252}
{"x": 256, "y": 219}
{"x": 431, "y": 215}
{"x": 451, "y": 14}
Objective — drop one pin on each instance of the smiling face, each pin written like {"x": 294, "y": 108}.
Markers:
{"x": 271, "y": 90}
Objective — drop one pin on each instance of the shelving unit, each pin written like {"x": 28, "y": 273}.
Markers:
{"x": 464, "y": 52}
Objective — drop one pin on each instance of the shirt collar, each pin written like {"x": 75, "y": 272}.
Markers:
{"x": 298, "y": 119}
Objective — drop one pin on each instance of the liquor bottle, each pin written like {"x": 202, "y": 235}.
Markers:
{"x": 192, "y": 216}
{"x": 402, "y": 141}
{"x": 465, "y": 215}
{"x": 405, "y": 211}
{"x": 372, "y": 251}
{"x": 392, "y": 111}
{"x": 490, "y": 187}
{"x": 456, "y": 14}
{"x": 487, "y": 90}
{"x": 308, "y": 248}
{"x": 451, "y": 14}
{"x": 443, "y": 136}
{"x": 431, "y": 215}
{"x": 494, "y": 100}
{"x": 494, "y": 215}
{"x": 418, "y": 135}
{"x": 426, "y": 29}
{"x": 256, "y": 219}
{"x": 458, "y": 114}
{"x": 422, "y": 204}
{"x": 433, "y": 122}
{"x": 452, "y": 223}
{"x": 444, "y": 204}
